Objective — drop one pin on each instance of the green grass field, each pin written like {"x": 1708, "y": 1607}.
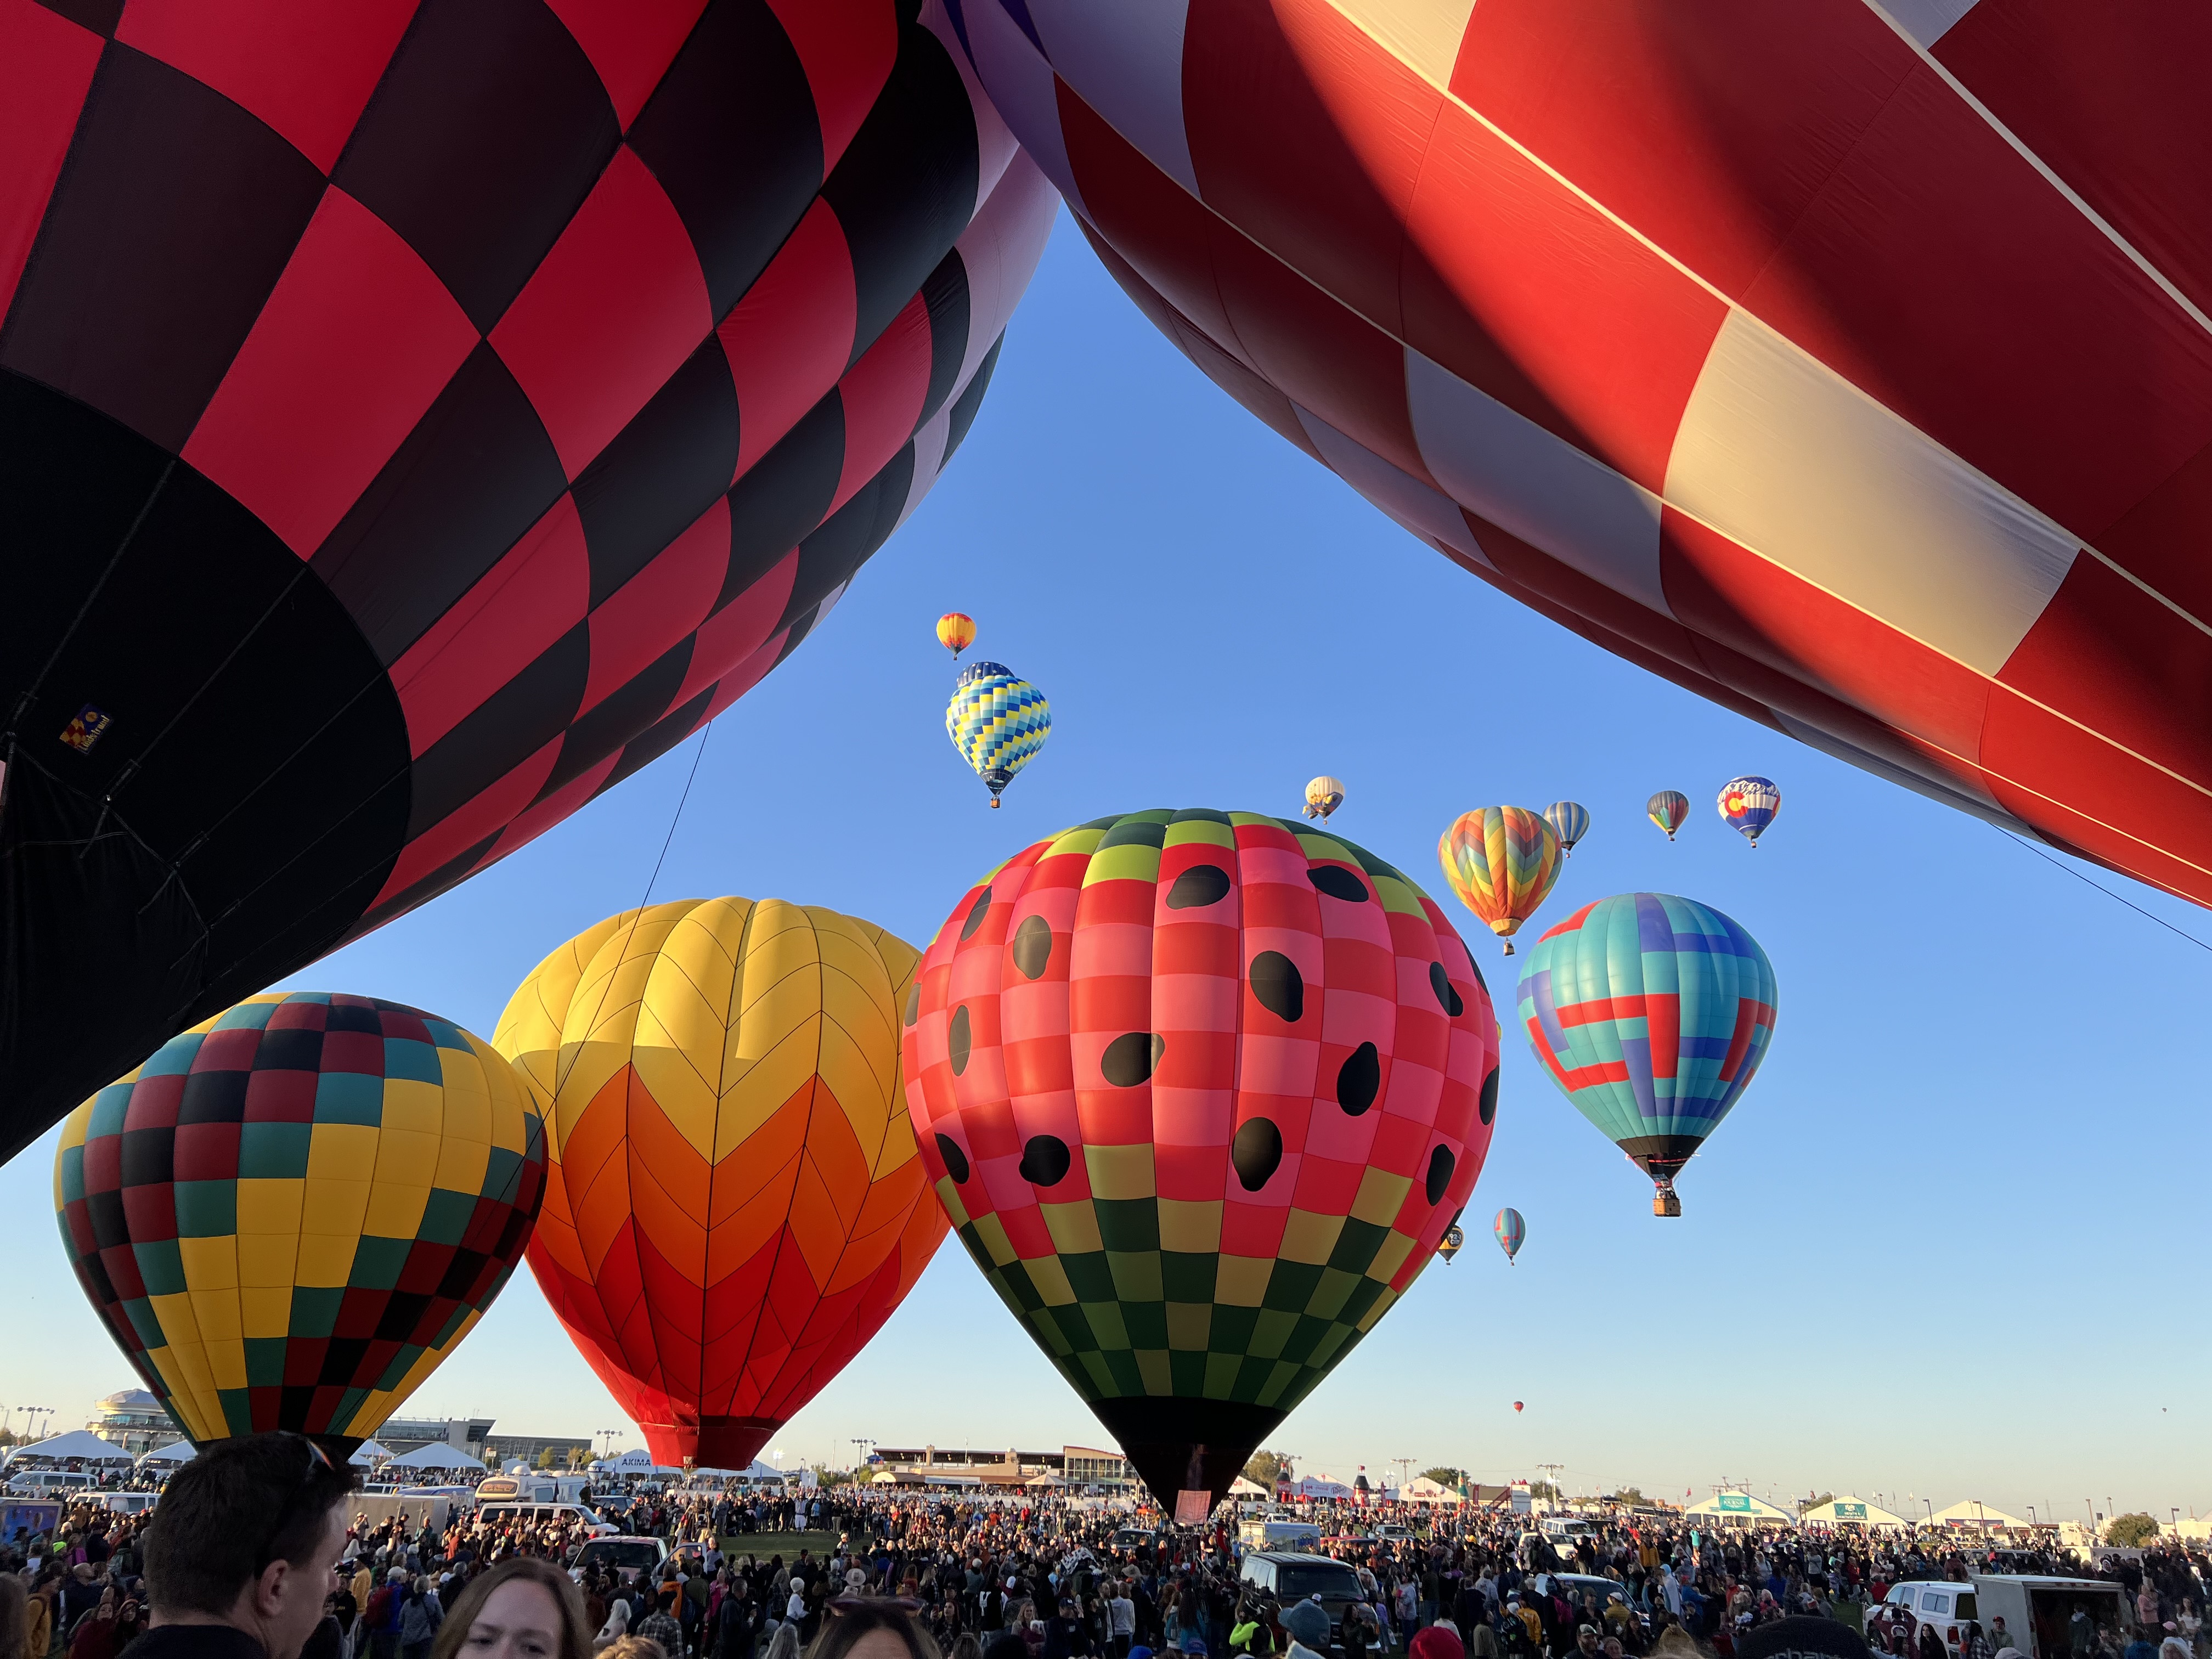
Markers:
{"x": 762, "y": 1545}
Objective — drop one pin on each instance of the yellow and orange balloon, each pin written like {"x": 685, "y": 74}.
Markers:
{"x": 1502, "y": 861}
{"x": 956, "y": 631}
{"x": 733, "y": 1201}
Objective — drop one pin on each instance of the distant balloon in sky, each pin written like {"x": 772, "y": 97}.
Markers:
{"x": 1511, "y": 1229}
{"x": 1517, "y": 1405}
{"x": 1454, "y": 1241}
{"x": 1651, "y": 1013}
{"x": 1323, "y": 796}
{"x": 1748, "y": 804}
{"x": 956, "y": 631}
{"x": 1570, "y": 820}
{"x": 1503, "y": 862}
{"x": 998, "y": 722}
{"x": 1848, "y": 365}
{"x": 1668, "y": 809}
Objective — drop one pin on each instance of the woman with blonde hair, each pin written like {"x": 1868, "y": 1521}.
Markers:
{"x": 523, "y": 1608}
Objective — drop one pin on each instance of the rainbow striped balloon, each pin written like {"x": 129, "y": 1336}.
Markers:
{"x": 1502, "y": 862}
{"x": 998, "y": 722}
{"x": 1651, "y": 1013}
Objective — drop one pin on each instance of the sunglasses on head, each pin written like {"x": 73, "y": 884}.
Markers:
{"x": 317, "y": 1459}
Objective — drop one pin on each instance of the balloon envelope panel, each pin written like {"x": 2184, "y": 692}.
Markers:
{"x": 1651, "y": 1013}
{"x": 425, "y": 415}
{"x": 1201, "y": 1091}
{"x": 1849, "y": 368}
{"x": 291, "y": 1214}
{"x": 734, "y": 1203}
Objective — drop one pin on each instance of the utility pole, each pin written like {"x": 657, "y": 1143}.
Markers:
{"x": 1405, "y": 1473}
{"x": 860, "y": 1447}
{"x": 1553, "y": 1470}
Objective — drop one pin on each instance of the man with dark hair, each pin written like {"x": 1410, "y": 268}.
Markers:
{"x": 241, "y": 1554}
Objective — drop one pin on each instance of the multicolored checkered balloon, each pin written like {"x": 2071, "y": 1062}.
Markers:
{"x": 291, "y": 1214}
{"x": 1201, "y": 1093}
{"x": 998, "y": 722}
{"x": 1651, "y": 1013}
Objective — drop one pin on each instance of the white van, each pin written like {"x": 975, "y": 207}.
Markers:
{"x": 496, "y": 1512}
{"x": 1558, "y": 1527}
{"x": 1943, "y": 1602}
{"x": 2037, "y": 1609}
{"x": 129, "y": 1503}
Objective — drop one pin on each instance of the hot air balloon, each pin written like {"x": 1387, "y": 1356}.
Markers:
{"x": 1502, "y": 861}
{"x": 1517, "y": 1405}
{"x": 998, "y": 722}
{"x": 1748, "y": 804}
{"x": 293, "y": 1211}
{"x": 733, "y": 1203}
{"x": 1569, "y": 821}
{"x": 1201, "y": 1093}
{"x": 1668, "y": 809}
{"x": 1324, "y": 794}
{"x": 424, "y": 416}
{"x": 1652, "y": 1013}
{"x": 956, "y": 631}
{"x": 1454, "y": 1241}
{"x": 1871, "y": 415}
{"x": 1510, "y": 1231}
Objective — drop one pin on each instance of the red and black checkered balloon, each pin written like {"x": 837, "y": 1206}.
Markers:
{"x": 415, "y": 417}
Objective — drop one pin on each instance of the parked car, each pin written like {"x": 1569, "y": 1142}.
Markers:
{"x": 1291, "y": 1576}
{"x": 1943, "y": 1602}
{"x": 627, "y": 1554}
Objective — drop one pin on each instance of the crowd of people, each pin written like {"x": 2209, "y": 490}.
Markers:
{"x": 986, "y": 1576}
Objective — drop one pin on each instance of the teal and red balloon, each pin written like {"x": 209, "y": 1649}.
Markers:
{"x": 1511, "y": 1229}
{"x": 1747, "y": 805}
{"x": 1651, "y": 1013}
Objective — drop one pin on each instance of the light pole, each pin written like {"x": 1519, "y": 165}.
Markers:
{"x": 860, "y": 1445}
{"x": 607, "y": 1435}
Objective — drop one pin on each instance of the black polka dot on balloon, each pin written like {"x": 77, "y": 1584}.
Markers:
{"x": 956, "y": 1161}
{"x": 1033, "y": 946}
{"x": 1440, "y": 1171}
{"x": 1280, "y": 989}
{"x": 1473, "y": 967}
{"x": 1440, "y": 982}
{"x": 1255, "y": 1152}
{"x": 1359, "y": 1079}
{"x": 975, "y": 913}
{"x": 958, "y": 1040}
{"x": 1199, "y": 886}
{"x": 914, "y": 1002}
{"x": 1338, "y": 883}
{"x": 1489, "y": 1106}
{"x": 1130, "y": 1057}
{"x": 1044, "y": 1161}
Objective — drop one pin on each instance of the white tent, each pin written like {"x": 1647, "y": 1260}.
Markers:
{"x": 437, "y": 1455}
{"x": 370, "y": 1452}
{"x": 1422, "y": 1490}
{"x": 1849, "y": 1511}
{"x": 1319, "y": 1486}
{"x": 1048, "y": 1479}
{"x": 169, "y": 1457}
{"x": 1240, "y": 1487}
{"x": 1971, "y": 1515}
{"x": 81, "y": 1445}
{"x": 1738, "y": 1506}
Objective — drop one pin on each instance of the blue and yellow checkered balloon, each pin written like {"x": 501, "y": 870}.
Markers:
{"x": 998, "y": 722}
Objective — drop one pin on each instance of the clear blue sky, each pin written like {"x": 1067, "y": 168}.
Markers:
{"x": 1951, "y": 1242}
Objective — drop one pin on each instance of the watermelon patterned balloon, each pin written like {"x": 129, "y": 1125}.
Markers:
{"x": 1747, "y": 805}
{"x": 291, "y": 1214}
{"x": 1201, "y": 1093}
{"x": 1651, "y": 1013}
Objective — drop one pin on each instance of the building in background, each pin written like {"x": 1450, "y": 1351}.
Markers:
{"x": 1082, "y": 1467}
{"x": 569, "y": 1449}
{"x": 133, "y": 1420}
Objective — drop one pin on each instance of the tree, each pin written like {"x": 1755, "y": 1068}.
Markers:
{"x": 1266, "y": 1467}
{"x": 1632, "y": 1496}
{"x": 2130, "y": 1531}
{"x": 1816, "y": 1503}
{"x": 1445, "y": 1477}
{"x": 545, "y": 1458}
{"x": 1542, "y": 1489}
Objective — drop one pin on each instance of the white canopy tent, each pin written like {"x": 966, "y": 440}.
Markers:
{"x": 370, "y": 1452}
{"x": 1973, "y": 1515}
{"x": 437, "y": 1455}
{"x": 1422, "y": 1490}
{"x": 78, "y": 1445}
{"x": 1738, "y": 1506}
{"x": 1241, "y": 1487}
{"x": 169, "y": 1457}
{"x": 1849, "y": 1511}
{"x": 1319, "y": 1486}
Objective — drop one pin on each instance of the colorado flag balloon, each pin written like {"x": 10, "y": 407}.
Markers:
{"x": 1748, "y": 804}
{"x": 1651, "y": 1013}
{"x": 1201, "y": 1093}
